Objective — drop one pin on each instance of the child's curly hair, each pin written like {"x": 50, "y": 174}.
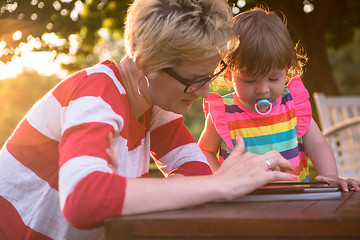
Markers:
{"x": 264, "y": 43}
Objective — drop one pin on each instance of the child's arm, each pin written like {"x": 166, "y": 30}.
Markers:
{"x": 322, "y": 156}
{"x": 319, "y": 151}
{"x": 209, "y": 143}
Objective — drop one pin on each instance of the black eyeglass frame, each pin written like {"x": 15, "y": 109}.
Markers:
{"x": 198, "y": 83}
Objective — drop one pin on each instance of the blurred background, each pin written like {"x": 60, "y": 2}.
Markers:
{"x": 43, "y": 41}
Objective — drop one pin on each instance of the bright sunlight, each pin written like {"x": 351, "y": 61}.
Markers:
{"x": 45, "y": 63}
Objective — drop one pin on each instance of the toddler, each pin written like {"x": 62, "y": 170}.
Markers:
{"x": 270, "y": 106}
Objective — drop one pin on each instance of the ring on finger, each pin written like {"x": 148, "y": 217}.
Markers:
{"x": 268, "y": 163}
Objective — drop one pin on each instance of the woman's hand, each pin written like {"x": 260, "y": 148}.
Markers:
{"x": 345, "y": 184}
{"x": 110, "y": 153}
{"x": 252, "y": 170}
{"x": 239, "y": 174}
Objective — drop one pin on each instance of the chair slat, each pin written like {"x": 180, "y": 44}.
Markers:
{"x": 339, "y": 120}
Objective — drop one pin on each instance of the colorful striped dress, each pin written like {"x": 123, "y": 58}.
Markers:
{"x": 282, "y": 129}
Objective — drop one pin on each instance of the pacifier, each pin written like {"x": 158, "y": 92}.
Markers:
{"x": 263, "y": 103}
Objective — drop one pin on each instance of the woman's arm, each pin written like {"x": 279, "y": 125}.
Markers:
{"x": 237, "y": 176}
{"x": 209, "y": 143}
{"x": 173, "y": 148}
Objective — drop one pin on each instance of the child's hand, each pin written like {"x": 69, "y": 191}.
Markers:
{"x": 343, "y": 183}
{"x": 110, "y": 153}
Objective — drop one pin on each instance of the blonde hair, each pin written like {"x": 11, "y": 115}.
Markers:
{"x": 265, "y": 42}
{"x": 169, "y": 32}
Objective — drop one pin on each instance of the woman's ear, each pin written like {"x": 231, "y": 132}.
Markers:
{"x": 139, "y": 67}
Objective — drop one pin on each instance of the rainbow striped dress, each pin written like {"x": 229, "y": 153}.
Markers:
{"x": 282, "y": 129}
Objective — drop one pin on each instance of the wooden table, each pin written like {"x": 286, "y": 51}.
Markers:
{"x": 321, "y": 219}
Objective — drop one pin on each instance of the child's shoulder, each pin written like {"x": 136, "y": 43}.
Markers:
{"x": 295, "y": 83}
{"x": 297, "y": 90}
{"x": 300, "y": 97}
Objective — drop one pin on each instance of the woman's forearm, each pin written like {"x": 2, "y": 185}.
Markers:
{"x": 237, "y": 176}
{"x": 156, "y": 194}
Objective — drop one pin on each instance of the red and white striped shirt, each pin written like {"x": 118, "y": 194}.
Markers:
{"x": 54, "y": 168}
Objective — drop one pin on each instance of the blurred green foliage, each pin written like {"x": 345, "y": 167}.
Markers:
{"x": 195, "y": 118}
{"x": 330, "y": 24}
{"x": 66, "y": 17}
{"x": 345, "y": 61}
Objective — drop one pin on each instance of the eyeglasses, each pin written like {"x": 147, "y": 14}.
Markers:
{"x": 192, "y": 86}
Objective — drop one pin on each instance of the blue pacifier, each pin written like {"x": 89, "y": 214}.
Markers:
{"x": 263, "y": 103}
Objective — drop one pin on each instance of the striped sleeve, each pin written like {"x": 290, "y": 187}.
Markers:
{"x": 92, "y": 104}
{"x": 173, "y": 147}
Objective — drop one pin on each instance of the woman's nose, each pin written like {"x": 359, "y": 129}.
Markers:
{"x": 203, "y": 91}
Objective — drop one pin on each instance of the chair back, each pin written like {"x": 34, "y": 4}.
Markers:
{"x": 339, "y": 120}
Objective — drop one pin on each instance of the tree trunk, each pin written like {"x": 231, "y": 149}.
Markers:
{"x": 310, "y": 29}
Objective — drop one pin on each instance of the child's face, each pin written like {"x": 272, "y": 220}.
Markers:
{"x": 248, "y": 89}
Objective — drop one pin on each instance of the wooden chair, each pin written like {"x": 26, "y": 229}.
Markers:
{"x": 339, "y": 119}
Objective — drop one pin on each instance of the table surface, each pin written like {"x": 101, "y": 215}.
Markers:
{"x": 305, "y": 219}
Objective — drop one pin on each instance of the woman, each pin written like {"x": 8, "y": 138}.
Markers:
{"x": 55, "y": 176}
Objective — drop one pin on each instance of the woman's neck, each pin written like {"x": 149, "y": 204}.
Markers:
{"x": 130, "y": 76}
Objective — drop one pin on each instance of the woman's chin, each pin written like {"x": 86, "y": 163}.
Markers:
{"x": 184, "y": 107}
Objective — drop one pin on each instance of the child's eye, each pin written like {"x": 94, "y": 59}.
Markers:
{"x": 274, "y": 79}
{"x": 249, "y": 81}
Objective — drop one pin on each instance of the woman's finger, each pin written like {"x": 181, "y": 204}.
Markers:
{"x": 110, "y": 152}
{"x": 282, "y": 176}
{"x": 274, "y": 161}
{"x": 111, "y": 141}
{"x": 240, "y": 144}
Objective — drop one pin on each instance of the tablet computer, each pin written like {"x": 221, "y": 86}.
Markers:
{"x": 296, "y": 187}
{"x": 285, "y": 191}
